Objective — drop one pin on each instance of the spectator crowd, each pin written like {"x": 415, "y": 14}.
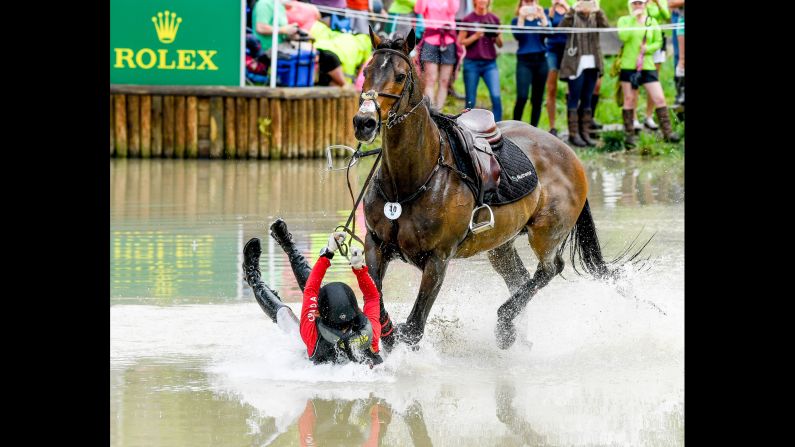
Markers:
{"x": 340, "y": 38}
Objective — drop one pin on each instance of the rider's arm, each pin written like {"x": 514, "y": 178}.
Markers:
{"x": 309, "y": 308}
{"x": 372, "y": 309}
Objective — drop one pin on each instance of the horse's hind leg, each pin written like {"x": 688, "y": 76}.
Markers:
{"x": 509, "y": 265}
{"x": 550, "y": 264}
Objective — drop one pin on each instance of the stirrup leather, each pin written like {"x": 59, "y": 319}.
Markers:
{"x": 480, "y": 227}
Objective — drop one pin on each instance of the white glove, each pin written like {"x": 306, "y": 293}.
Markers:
{"x": 334, "y": 239}
{"x": 357, "y": 258}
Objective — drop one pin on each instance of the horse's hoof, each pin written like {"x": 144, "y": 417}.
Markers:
{"x": 388, "y": 342}
{"x": 405, "y": 334}
{"x": 506, "y": 334}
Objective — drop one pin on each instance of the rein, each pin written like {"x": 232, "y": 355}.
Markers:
{"x": 393, "y": 119}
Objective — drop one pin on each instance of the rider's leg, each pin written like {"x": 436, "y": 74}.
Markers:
{"x": 267, "y": 299}
{"x": 301, "y": 268}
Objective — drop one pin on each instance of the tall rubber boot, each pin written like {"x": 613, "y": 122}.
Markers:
{"x": 585, "y": 126}
{"x": 574, "y": 129}
{"x": 629, "y": 128}
{"x": 267, "y": 299}
{"x": 665, "y": 125}
{"x": 300, "y": 266}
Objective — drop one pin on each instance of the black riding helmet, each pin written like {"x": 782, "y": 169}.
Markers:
{"x": 337, "y": 305}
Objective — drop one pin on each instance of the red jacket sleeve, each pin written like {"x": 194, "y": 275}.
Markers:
{"x": 372, "y": 308}
{"x": 309, "y": 309}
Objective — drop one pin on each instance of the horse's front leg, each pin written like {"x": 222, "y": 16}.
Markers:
{"x": 377, "y": 263}
{"x": 432, "y": 278}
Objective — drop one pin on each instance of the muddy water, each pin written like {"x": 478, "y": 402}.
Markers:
{"x": 194, "y": 361}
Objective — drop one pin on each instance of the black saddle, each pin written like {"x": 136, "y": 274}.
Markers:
{"x": 476, "y": 129}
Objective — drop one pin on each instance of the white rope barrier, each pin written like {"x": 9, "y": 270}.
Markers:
{"x": 468, "y": 26}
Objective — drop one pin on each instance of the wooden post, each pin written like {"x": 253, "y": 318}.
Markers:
{"x": 146, "y": 126}
{"x": 297, "y": 127}
{"x": 304, "y": 126}
{"x": 157, "y": 126}
{"x": 352, "y": 103}
{"x": 334, "y": 118}
{"x": 253, "y": 133}
{"x": 179, "y": 127}
{"x": 285, "y": 128}
{"x": 120, "y": 115}
{"x": 309, "y": 129}
{"x": 133, "y": 126}
{"x": 317, "y": 125}
{"x": 204, "y": 127}
{"x": 343, "y": 123}
{"x": 168, "y": 126}
{"x": 264, "y": 138}
{"x": 216, "y": 127}
{"x": 192, "y": 127}
{"x": 288, "y": 128}
{"x": 325, "y": 121}
{"x": 229, "y": 128}
{"x": 242, "y": 127}
{"x": 276, "y": 129}
{"x": 112, "y": 138}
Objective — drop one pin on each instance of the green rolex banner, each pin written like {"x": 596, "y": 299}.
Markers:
{"x": 177, "y": 42}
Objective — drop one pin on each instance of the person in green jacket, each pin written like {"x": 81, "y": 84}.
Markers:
{"x": 659, "y": 11}
{"x": 400, "y": 9}
{"x": 351, "y": 50}
{"x": 637, "y": 68}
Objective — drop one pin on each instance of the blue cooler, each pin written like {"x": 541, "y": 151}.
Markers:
{"x": 297, "y": 70}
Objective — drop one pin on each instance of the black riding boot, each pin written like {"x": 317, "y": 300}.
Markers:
{"x": 267, "y": 299}
{"x": 282, "y": 236}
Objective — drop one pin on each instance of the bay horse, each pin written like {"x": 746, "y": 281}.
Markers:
{"x": 433, "y": 226}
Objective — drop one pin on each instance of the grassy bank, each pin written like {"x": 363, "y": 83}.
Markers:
{"x": 608, "y": 112}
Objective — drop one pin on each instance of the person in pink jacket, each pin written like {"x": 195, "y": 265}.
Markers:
{"x": 438, "y": 54}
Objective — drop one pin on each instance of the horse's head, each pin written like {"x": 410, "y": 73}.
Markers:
{"x": 390, "y": 82}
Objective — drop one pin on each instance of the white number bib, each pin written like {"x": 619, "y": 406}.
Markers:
{"x": 392, "y": 210}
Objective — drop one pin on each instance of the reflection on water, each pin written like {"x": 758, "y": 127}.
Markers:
{"x": 178, "y": 227}
{"x": 194, "y": 361}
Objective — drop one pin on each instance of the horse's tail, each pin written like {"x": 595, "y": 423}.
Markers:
{"x": 585, "y": 248}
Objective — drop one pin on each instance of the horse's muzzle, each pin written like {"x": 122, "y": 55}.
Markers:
{"x": 365, "y": 125}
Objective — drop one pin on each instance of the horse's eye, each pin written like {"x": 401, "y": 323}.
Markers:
{"x": 400, "y": 78}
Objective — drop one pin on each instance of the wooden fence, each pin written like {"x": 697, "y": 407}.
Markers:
{"x": 229, "y": 122}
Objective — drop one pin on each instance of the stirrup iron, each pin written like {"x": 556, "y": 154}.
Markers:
{"x": 482, "y": 226}
{"x": 330, "y": 158}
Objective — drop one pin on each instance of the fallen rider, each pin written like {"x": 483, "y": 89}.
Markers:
{"x": 332, "y": 326}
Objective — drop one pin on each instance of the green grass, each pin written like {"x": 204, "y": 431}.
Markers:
{"x": 608, "y": 112}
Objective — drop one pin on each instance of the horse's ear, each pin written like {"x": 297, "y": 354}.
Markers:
{"x": 410, "y": 41}
{"x": 374, "y": 39}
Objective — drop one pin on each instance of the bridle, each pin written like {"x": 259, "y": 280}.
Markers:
{"x": 393, "y": 118}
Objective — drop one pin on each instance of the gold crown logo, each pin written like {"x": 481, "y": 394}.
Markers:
{"x": 166, "y": 26}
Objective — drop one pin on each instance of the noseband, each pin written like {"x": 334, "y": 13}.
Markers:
{"x": 393, "y": 118}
